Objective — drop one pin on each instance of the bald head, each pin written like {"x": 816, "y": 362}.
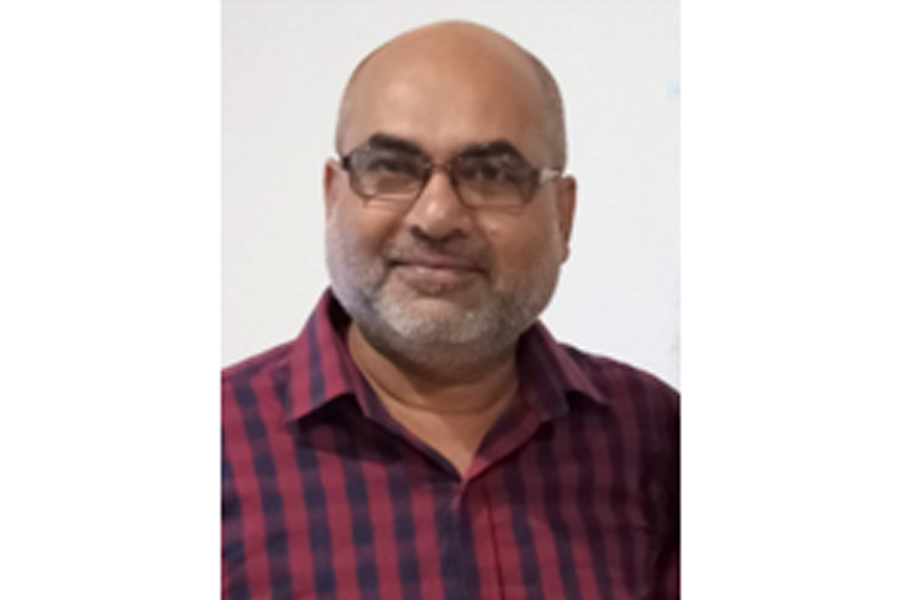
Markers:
{"x": 459, "y": 53}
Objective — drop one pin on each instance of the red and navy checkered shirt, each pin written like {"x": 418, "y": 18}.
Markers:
{"x": 572, "y": 494}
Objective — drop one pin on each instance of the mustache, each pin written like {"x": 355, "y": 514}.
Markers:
{"x": 438, "y": 253}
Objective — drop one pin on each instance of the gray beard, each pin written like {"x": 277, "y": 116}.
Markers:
{"x": 472, "y": 338}
{"x": 438, "y": 345}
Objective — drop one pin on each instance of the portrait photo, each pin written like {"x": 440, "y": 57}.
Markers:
{"x": 450, "y": 300}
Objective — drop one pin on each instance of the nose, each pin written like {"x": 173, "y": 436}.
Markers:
{"x": 438, "y": 212}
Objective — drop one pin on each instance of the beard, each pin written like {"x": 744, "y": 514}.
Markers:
{"x": 436, "y": 326}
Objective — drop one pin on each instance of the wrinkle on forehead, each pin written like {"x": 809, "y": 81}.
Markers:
{"x": 468, "y": 55}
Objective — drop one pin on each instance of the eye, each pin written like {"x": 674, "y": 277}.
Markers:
{"x": 491, "y": 172}
{"x": 392, "y": 164}
{"x": 495, "y": 170}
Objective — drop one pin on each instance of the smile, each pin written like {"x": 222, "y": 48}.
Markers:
{"x": 439, "y": 276}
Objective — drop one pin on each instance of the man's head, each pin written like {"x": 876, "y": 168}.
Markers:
{"x": 553, "y": 118}
{"x": 441, "y": 275}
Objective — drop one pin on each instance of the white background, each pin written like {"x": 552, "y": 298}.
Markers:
{"x": 110, "y": 307}
{"x": 284, "y": 68}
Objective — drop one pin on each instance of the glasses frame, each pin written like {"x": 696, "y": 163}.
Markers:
{"x": 537, "y": 178}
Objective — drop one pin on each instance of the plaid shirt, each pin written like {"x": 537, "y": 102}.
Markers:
{"x": 324, "y": 495}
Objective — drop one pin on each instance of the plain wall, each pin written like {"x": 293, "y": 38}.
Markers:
{"x": 617, "y": 64}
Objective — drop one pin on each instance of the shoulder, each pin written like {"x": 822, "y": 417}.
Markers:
{"x": 620, "y": 382}
{"x": 263, "y": 366}
{"x": 258, "y": 362}
{"x": 254, "y": 399}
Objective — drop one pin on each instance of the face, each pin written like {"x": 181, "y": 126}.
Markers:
{"x": 437, "y": 273}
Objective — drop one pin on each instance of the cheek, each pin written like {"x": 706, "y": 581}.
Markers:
{"x": 520, "y": 245}
{"x": 363, "y": 230}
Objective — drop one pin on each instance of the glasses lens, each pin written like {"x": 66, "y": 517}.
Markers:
{"x": 386, "y": 174}
{"x": 501, "y": 180}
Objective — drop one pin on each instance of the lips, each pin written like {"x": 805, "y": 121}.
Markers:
{"x": 436, "y": 274}
{"x": 423, "y": 255}
{"x": 441, "y": 262}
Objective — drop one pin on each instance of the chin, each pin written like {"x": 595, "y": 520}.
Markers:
{"x": 434, "y": 321}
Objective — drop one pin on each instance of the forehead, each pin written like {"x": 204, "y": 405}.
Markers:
{"x": 444, "y": 99}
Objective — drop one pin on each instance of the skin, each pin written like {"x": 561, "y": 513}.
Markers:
{"x": 440, "y": 293}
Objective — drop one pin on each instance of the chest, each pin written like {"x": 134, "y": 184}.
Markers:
{"x": 362, "y": 514}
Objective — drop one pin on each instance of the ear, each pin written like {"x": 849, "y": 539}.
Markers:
{"x": 565, "y": 210}
{"x": 330, "y": 182}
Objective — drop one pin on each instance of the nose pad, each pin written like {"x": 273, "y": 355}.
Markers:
{"x": 446, "y": 187}
{"x": 439, "y": 211}
{"x": 448, "y": 175}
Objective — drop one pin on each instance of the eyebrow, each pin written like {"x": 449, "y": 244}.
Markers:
{"x": 383, "y": 141}
{"x": 494, "y": 148}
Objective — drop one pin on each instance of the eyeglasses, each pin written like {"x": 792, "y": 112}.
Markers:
{"x": 394, "y": 172}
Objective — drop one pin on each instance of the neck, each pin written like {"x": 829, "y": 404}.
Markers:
{"x": 459, "y": 388}
{"x": 450, "y": 410}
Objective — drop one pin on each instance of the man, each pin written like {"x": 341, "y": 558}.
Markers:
{"x": 425, "y": 437}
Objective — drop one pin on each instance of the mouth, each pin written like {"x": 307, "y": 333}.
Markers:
{"x": 437, "y": 275}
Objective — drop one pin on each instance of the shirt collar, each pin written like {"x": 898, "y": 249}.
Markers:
{"x": 550, "y": 373}
{"x": 320, "y": 364}
{"x": 322, "y": 369}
